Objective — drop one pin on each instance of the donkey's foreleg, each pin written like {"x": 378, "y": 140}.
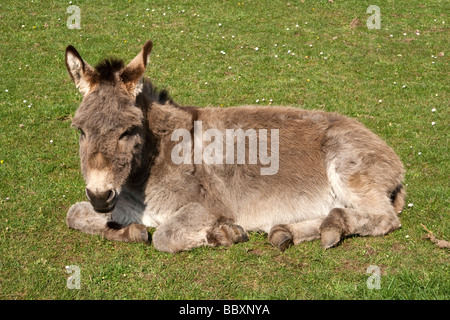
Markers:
{"x": 283, "y": 236}
{"x": 192, "y": 226}
{"x": 345, "y": 222}
{"x": 81, "y": 216}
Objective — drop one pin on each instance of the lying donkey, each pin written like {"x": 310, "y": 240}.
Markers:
{"x": 141, "y": 157}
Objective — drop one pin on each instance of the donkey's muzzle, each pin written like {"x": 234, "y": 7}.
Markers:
{"x": 102, "y": 202}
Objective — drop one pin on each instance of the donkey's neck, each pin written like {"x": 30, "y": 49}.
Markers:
{"x": 162, "y": 117}
{"x": 141, "y": 167}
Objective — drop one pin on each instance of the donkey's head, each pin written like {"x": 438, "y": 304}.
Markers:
{"x": 111, "y": 124}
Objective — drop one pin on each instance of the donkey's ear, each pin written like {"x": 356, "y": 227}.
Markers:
{"x": 82, "y": 74}
{"x": 133, "y": 72}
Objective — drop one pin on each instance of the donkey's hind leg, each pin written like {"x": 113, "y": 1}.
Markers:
{"x": 372, "y": 218}
{"x": 372, "y": 215}
{"x": 81, "y": 216}
{"x": 283, "y": 236}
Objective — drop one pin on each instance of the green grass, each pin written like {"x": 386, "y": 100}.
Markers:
{"x": 39, "y": 180}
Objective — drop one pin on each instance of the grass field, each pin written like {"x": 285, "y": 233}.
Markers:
{"x": 308, "y": 54}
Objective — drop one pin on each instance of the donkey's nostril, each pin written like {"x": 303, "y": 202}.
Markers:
{"x": 89, "y": 194}
{"x": 111, "y": 197}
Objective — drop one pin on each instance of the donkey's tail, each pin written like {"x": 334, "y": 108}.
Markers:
{"x": 398, "y": 198}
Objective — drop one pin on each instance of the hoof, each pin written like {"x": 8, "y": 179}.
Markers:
{"x": 226, "y": 235}
{"x": 239, "y": 234}
{"x": 281, "y": 237}
{"x": 136, "y": 233}
{"x": 330, "y": 237}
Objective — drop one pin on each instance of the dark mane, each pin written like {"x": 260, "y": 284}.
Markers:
{"x": 108, "y": 67}
{"x": 161, "y": 96}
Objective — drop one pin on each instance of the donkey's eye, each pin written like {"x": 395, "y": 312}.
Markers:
{"x": 82, "y": 134}
{"x": 125, "y": 134}
{"x": 131, "y": 131}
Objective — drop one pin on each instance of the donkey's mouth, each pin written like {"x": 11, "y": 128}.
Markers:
{"x": 104, "y": 210}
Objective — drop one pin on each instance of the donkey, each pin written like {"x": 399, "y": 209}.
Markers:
{"x": 334, "y": 177}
